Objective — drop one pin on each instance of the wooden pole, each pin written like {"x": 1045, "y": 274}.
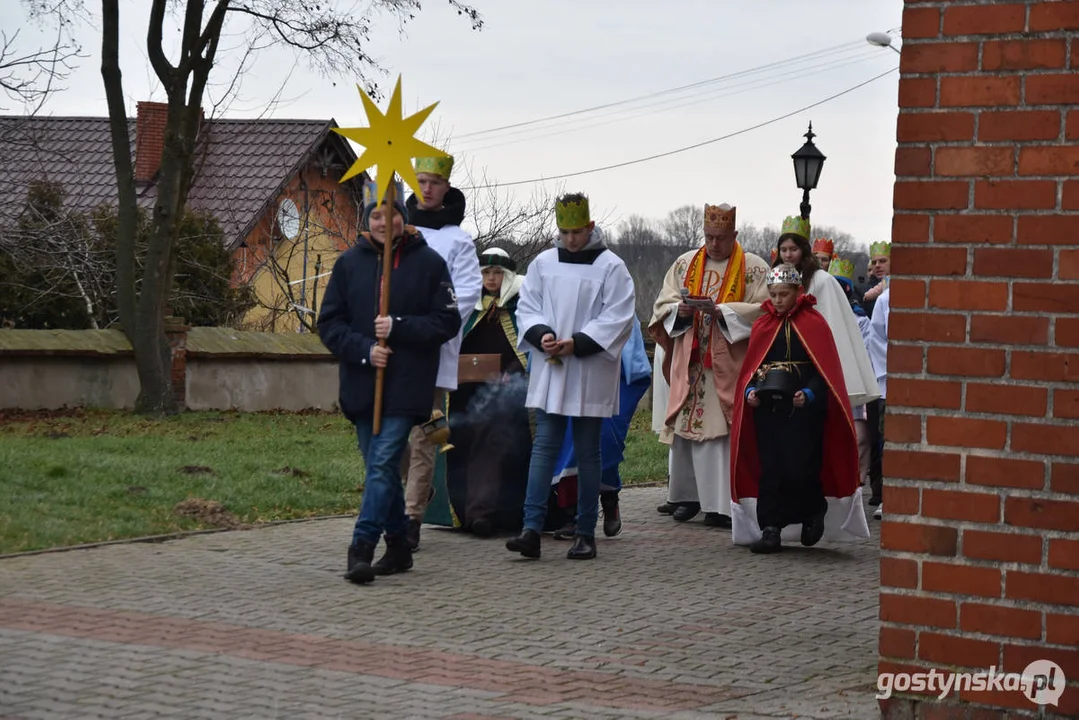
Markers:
{"x": 384, "y": 297}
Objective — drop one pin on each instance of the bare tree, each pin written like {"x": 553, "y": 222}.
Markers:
{"x": 27, "y": 76}
{"x": 642, "y": 245}
{"x": 684, "y": 226}
{"x": 332, "y": 40}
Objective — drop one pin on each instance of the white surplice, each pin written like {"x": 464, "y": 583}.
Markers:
{"x": 595, "y": 299}
{"x": 858, "y": 373}
{"x": 457, "y": 249}
{"x": 878, "y": 340}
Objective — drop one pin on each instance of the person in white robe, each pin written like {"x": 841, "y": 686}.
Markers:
{"x": 843, "y": 271}
{"x": 878, "y": 351}
{"x": 575, "y": 314}
{"x": 661, "y": 393}
{"x": 438, "y": 218}
{"x": 701, "y": 319}
{"x": 832, "y": 303}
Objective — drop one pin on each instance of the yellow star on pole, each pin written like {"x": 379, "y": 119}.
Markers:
{"x": 388, "y": 143}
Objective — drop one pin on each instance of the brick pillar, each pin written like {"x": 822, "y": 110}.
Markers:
{"x": 980, "y": 543}
{"x": 176, "y": 331}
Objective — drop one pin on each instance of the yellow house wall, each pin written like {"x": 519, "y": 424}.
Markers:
{"x": 329, "y": 222}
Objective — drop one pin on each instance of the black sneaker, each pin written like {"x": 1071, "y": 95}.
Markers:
{"x": 527, "y": 543}
{"x": 397, "y": 558}
{"x": 718, "y": 520}
{"x": 769, "y": 542}
{"x": 612, "y": 517}
{"x": 359, "y": 568}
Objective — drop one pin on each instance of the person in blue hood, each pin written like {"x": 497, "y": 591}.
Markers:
{"x": 423, "y": 315}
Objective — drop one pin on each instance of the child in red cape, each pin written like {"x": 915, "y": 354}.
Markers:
{"x": 794, "y": 450}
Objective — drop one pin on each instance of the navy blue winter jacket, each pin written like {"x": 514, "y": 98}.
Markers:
{"x": 425, "y": 315}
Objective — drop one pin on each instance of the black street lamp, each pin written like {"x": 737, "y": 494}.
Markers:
{"x": 808, "y": 163}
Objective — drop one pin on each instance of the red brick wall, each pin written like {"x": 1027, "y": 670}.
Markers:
{"x": 980, "y": 543}
{"x": 149, "y": 139}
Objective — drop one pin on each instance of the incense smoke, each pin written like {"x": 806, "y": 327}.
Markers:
{"x": 493, "y": 400}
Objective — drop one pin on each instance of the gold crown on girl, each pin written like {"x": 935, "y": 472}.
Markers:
{"x": 842, "y": 268}
{"x": 572, "y": 214}
{"x": 795, "y": 225}
{"x": 784, "y": 274}
{"x": 824, "y": 245}
{"x": 880, "y": 249}
{"x": 441, "y": 166}
{"x": 719, "y": 218}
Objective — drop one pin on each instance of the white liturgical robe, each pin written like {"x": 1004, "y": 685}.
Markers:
{"x": 594, "y": 298}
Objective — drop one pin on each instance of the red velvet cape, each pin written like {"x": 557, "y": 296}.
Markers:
{"x": 839, "y": 470}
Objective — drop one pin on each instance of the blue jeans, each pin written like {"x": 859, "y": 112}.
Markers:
{"x": 383, "y": 505}
{"x": 550, "y": 431}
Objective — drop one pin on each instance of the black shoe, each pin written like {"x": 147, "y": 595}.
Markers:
{"x": 584, "y": 548}
{"x": 875, "y": 500}
{"x": 718, "y": 520}
{"x": 686, "y": 511}
{"x": 769, "y": 542}
{"x": 813, "y": 530}
{"x": 527, "y": 543}
{"x": 566, "y": 532}
{"x": 612, "y": 518}
{"x": 397, "y": 558}
{"x": 667, "y": 508}
{"x": 412, "y": 534}
{"x": 359, "y": 562}
{"x": 483, "y": 528}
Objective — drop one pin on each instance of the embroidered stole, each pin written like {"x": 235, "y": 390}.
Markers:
{"x": 733, "y": 289}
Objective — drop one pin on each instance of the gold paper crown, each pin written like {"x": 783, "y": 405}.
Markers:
{"x": 880, "y": 249}
{"x": 824, "y": 245}
{"x": 719, "y": 218}
{"x": 441, "y": 166}
{"x": 841, "y": 268}
{"x": 796, "y": 225}
{"x": 572, "y": 214}
{"x": 784, "y": 274}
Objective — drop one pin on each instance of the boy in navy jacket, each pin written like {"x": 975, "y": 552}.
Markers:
{"x": 422, "y": 316}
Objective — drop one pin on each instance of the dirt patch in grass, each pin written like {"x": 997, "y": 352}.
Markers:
{"x": 209, "y": 513}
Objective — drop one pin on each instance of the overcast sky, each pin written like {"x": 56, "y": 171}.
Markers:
{"x": 535, "y": 59}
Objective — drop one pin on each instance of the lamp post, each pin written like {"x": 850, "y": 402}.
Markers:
{"x": 808, "y": 163}
{"x": 882, "y": 40}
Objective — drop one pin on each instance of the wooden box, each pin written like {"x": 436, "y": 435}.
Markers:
{"x": 478, "y": 368}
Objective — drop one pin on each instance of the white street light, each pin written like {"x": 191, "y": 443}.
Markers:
{"x": 881, "y": 40}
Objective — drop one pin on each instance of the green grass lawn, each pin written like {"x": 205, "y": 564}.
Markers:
{"x": 89, "y": 476}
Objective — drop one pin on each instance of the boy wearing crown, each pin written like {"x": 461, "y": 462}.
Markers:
{"x": 576, "y": 311}
{"x": 438, "y": 217}
{"x": 792, "y": 405}
{"x": 880, "y": 267}
{"x": 422, "y": 316}
{"x": 824, "y": 251}
{"x": 701, "y": 319}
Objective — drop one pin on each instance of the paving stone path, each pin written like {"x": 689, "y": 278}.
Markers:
{"x": 670, "y": 621}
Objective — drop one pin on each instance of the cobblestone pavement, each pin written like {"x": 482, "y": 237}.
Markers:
{"x": 670, "y": 621}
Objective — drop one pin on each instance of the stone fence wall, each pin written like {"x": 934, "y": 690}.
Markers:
{"x": 213, "y": 369}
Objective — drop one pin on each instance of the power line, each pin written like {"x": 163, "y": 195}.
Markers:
{"x": 688, "y": 147}
{"x": 668, "y": 105}
{"x": 750, "y": 71}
